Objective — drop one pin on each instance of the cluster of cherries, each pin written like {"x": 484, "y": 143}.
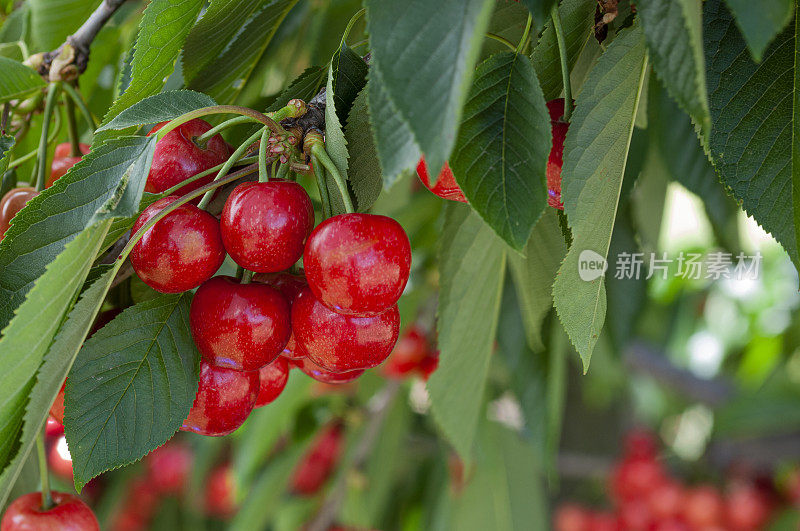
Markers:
{"x": 646, "y": 497}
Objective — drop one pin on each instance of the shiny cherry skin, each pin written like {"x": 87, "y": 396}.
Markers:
{"x": 265, "y": 225}
{"x": 63, "y": 161}
{"x": 322, "y": 375}
{"x": 316, "y": 466}
{"x": 69, "y": 513}
{"x": 59, "y": 460}
{"x": 341, "y": 343}
{"x": 53, "y": 428}
{"x": 224, "y": 400}
{"x": 290, "y": 286}
{"x": 445, "y": 187}
{"x": 358, "y": 264}
{"x": 556, "y": 160}
{"x": 179, "y": 252}
{"x": 11, "y": 203}
{"x": 177, "y": 157}
{"x": 220, "y": 494}
{"x": 408, "y": 355}
{"x": 272, "y": 380}
{"x": 168, "y": 467}
{"x": 239, "y": 326}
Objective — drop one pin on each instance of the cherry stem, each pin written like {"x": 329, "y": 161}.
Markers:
{"x": 247, "y": 276}
{"x": 562, "y": 52}
{"x": 196, "y": 176}
{"x": 502, "y": 40}
{"x": 47, "y": 497}
{"x": 29, "y": 155}
{"x": 210, "y": 187}
{"x": 220, "y": 109}
{"x": 72, "y": 127}
{"x": 81, "y": 104}
{"x": 524, "y": 40}
{"x": 227, "y": 166}
{"x": 318, "y": 150}
{"x": 283, "y": 171}
{"x": 319, "y": 174}
{"x": 205, "y": 137}
{"x": 263, "y": 174}
{"x": 49, "y": 107}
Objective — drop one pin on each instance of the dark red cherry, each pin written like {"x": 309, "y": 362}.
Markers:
{"x": 169, "y": 467}
{"x": 53, "y": 428}
{"x": 325, "y": 376}
{"x": 342, "y": 343}
{"x": 290, "y": 286}
{"x": 555, "y": 161}
{"x": 181, "y": 251}
{"x": 178, "y": 157}
{"x": 239, "y": 326}
{"x": 11, "y": 203}
{"x": 63, "y": 161}
{"x": 265, "y": 225}
{"x": 224, "y": 400}
{"x": 358, "y": 264}
{"x": 445, "y": 187}
{"x": 272, "y": 378}
{"x": 408, "y": 355}
{"x": 69, "y": 513}
{"x": 316, "y": 466}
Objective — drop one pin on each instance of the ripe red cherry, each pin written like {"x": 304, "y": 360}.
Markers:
{"x": 322, "y": 375}
{"x": 429, "y": 365}
{"x": 168, "y": 467}
{"x": 178, "y": 157}
{"x": 640, "y": 443}
{"x": 666, "y": 500}
{"x": 220, "y": 494}
{"x": 570, "y": 517}
{"x": 635, "y": 478}
{"x": 68, "y": 514}
{"x": 358, "y": 264}
{"x": 342, "y": 343}
{"x": 290, "y": 286}
{"x": 63, "y": 161}
{"x": 239, "y": 326}
{"x": 703, "y": 507}
{"x": 181, "y": 251}
{"x": 408, "y": 355}
{"x": 445, "y": 187}
{"x": 53, "y": 428}
{"x": 272, "y": 378}
{"x": 604, "y": 522}
{"x": 265, "y": 225}
{"x": 57, "y": 409}
{"x": 747, "y": 508}
{"x": 224, "y": 400}
{"x": 59, "y": 460}
{"x": 11, "y": 203}
{"x": 318, "y": 463}
{"x": 556, "y": 159}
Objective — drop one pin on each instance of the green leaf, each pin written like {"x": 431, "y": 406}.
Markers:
{"x": 53, "y": 20}
{"x": 673, "y": 30}
{"x": 6, "y": 143}
{"x": 472, "y": 269}
{"x": 224, "y": 77}
{"x": 508, "y": 21}
{"x": 131, "y": 387}
{"x": 17, "y": 80}
{"x": 577, "y": 20}
{"x": 304, "y": 87}
{"x": 595, "y": 153}
{"x": 761, "y": 21}
{"x": 159, "y": 108}
{"x": 503, "y": 145}
{"x": 535, "y": 273}
{"x": 751, "y": 113}
{"x": 422, "y": 47}
{"x": 53, "y": 218}
{"x": 349, "y": 75}
{"x": 162, "y": 30}
{"x": 335, "y": 145}
{"x": 540, "y": 10}
{"x": 365, "y": 170}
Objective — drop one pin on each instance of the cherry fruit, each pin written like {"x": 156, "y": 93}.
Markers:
{"x": 57, "y": 409}
{"x": 408, "y": 355}
{"x": 63, "y": 161}
{"x": 59, "y": 460}
{"x": 11, "y": 203}
{"x": 318, "y": 463}
{"x": 178, "y": 156}
{"x": 181, "y": 251}
{"x": 69, "y": 513}
{"x": 342, "y": 343}
{"x": 265, "y": 225}
{"x": 290, "y": 286}
{"x": 445, "y": 187}
{"x": 220, "y": 494}
{"x": 239, "y": 326}
{"x": 224, "y": 400}
{"x": 556, "y": 159}
{"x": 358, "y": 264}
{"x": 272, "y": 378}
{"x": 168, "y": 467}
{"x": 703, "y": 507}
{"x": 325, "y": 376}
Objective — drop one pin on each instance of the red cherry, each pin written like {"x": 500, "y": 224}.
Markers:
{"x": 318, "y": 463}
{"x": 139, "y": 506}
{"x": 445, "y": 187}
{"x": 408, "y": 355}
{"x": 69, "y": 513}
{"x": 53, "y": 428}
{"x": 571, "y": 517}
{"x": 342, "y": 343}
{"x": 239, "y": 326}
{"x": 57, "y": 409}
{"x": 747, "y": 508}
{"x": 63, "y": 161}
{"x": 177, "y": 157}
{"x": 290, "y": 286}
{"x": 265, "y": 225}
{"x": 604, "y": 522}
{"x": 666, "y": 500}
{"x": 634, "y": 515}
{"x": 640, "y": 443}
{"x": 703, "y": 507}
{"x": 358, "y": 264}
{"x": 272, "y": 378}
{"x": 429, "y": 365}
{"x": 220, "y": 495}
{"x": 168, "y": 467}
{"x": 59, "y": 460}
{"x": 555, "y": 161}
{"x": 635, "y": 478}
{"x": 322, "y": 375}
{"x": 672, "y": 525}
{"x": 224, "y": 400}
{"x": 11, "y": 203}
{"x": 179, "y": 252}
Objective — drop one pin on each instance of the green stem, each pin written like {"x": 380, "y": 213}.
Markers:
{"x": 524, "y": 40}
{"x": 29, "y": 155}
{"x": 202, "y": 139}
{"x": 196, "y": 176}
{"x": 283, "y": 171}
{"x": 220, "y": 109}
{"x": 227, "y": 166}
{"x": 49, "y": 106}
{"x": 350, "y": 25}
{"x": 318, "y": 150}
{"x": 562, "y": 52}
{"x": 247, "y": 276}
{"x": 72, "y": 127}
{"x": 263, "y": 173}
{"x": 47, "y": 497}
{"x": 319, "y": 174}
{"x": 502, "y": 40}
{"x": 81, "y": 104}
{"x": 289, "y": 111}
